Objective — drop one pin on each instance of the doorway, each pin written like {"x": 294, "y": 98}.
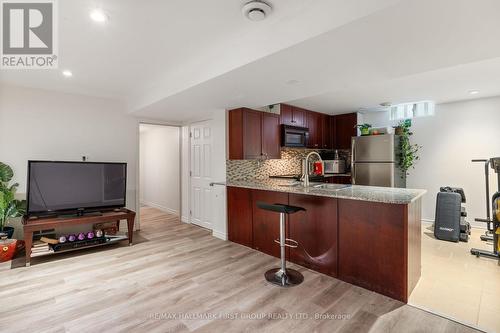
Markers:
{"x": 159, "y": 171}
{"x": 201, "y": 208}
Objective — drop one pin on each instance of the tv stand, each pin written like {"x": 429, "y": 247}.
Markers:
{"x": 31, "y": 225}
{"x": 79, "y": 214}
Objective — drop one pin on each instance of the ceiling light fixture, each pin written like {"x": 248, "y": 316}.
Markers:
{"x": 256, "y": 10}
{"x": 98, "y": 15}
{"x": 474, "y": 92}
{"x": 67, "y": 73}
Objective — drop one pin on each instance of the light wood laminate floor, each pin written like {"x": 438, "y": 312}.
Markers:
{"x": 178, "y": 278}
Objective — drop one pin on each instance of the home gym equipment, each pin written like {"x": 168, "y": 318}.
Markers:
{"x": 450, "y": 224}
{"x": 492, "y": 222}
{"x": 488, "y": 235}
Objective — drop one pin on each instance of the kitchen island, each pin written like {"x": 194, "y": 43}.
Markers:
{"x": 367, "y": 236}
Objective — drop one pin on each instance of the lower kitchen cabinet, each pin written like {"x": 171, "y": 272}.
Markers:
{"x": 373, "y": 248}
{"x": 315, "y": 229}
{"x": 239, "y": 215}
{"x": 373, "y": 245}
{"x": 266, "y": 224}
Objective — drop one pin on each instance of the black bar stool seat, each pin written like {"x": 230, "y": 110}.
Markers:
{"x": 279, "y": 208}
{"x": 283, "y": 277}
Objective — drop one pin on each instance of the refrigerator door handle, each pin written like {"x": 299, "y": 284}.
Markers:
{"x": 353, "y": 165}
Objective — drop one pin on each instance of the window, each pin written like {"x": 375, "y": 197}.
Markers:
{"x": 412, "y": 110}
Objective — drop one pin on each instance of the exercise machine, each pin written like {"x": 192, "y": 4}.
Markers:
{"x": 450, "y": 224}
{"x": 492, "y": 220}
{"x": 488, "y": 235}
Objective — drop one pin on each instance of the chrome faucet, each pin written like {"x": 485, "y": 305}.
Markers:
{"x": 305, "y": 176}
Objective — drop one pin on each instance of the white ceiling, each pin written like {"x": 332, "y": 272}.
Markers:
{"x": 177, "y": 60}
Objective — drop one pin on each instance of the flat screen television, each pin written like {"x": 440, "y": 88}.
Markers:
{"x": 58, "y": 187}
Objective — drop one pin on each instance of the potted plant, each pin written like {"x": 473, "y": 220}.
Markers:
{"x": 398, "y": 129}
{"x": 364, "y": 128}
{"x": 9, "y": 206}
{"x": 408, "y": 151}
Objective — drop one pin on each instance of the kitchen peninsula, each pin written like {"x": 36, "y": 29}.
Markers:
{"x": 367, "y": 236}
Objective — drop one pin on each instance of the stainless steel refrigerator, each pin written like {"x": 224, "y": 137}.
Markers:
{"x": 375, "y": 161}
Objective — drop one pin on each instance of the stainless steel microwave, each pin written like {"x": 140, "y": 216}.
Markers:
{"x": 292, "y": 136}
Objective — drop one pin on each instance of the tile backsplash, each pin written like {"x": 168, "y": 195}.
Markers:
{"x": 290, "y": 163}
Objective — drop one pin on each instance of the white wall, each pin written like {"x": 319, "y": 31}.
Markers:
{"x": 38, "y": 124}
{"x": 458, "y": 133}
{"x": 160, "y": 167}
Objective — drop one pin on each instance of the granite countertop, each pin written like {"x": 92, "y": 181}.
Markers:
{"x": 354, "y": 192}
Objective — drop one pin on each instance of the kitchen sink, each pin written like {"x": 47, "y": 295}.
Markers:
{"x": 331, "y": 186}
{"x": 322, "y": 186}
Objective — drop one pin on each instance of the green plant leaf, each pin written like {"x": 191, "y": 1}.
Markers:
{"x": 20, "y": 206}
{"x": 9, "y": 206}
{"x": 6, "y": 173}
{"x": 408, "y": 152}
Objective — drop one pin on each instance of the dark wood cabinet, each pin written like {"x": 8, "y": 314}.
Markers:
{"x": 321, "y": 126}
{"x": 271, "y": 136}
{"x": 292, "y": 115}
{"x": 327, "y": 131}
{"x": 239, "y": 215}
{"x": 370, "y": 244}
{"x": 266, "y": 224}
{"x": 344, "y": 130}
{"x": 299, "y": 116}
{"x": 253, "y": 134}
{"x": 316, "y": 231}
{"x": 313, "y": 122}
{"x": 375, "y": 238}
{"x": 286, "y": 114}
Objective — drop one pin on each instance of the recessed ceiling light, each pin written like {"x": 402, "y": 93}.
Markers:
{"x": 98, "y": 15}
{"x": 474, "y": 92}
{"x": 67, "y": 73}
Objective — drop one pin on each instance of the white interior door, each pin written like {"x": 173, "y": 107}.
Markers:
{"x": 201, "y": 175}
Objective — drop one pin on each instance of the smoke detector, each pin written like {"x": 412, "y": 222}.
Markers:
{"x": 256, "y": 10}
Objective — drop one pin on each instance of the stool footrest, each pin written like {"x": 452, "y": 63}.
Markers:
{"x": 288, "y": 243}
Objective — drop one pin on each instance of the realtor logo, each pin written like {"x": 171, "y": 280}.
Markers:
{"x": 29, "y": 34}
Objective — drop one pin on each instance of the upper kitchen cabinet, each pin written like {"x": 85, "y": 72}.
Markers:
{"x": 327, "y": 131}
{"x": 344, "y": 128}
{"x": 292, "y": 115}
{"x": 271, "y": 135}
{"x": 253, "y": 135}
{"x": 315, "y": 125}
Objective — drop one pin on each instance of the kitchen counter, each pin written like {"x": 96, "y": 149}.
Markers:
{"x": 353, "y": 192}
{"x": 364, "y": 235}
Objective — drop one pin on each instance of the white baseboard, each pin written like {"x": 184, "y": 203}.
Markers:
{"x": 184, "y": 219}
{"x": 160, "y": 207}
{"x": 219, "y": 235}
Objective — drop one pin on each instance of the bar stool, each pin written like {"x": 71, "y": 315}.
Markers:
{"x": 282, "y": 276}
